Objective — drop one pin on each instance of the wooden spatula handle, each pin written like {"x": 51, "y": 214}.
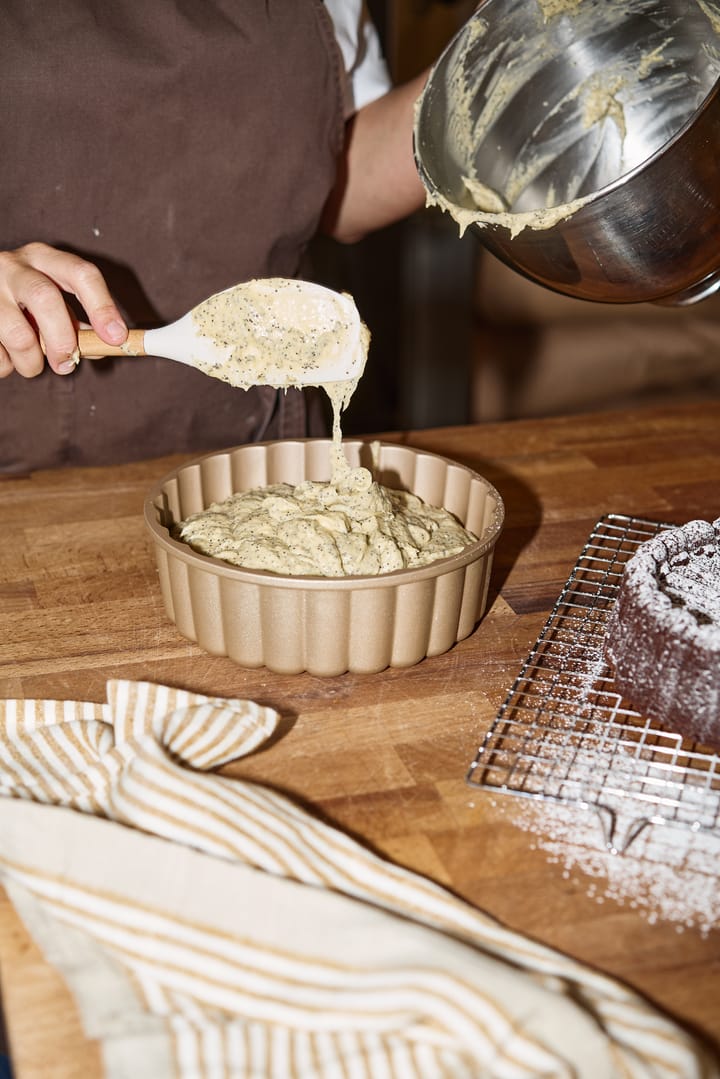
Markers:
{"x": 92, "y": 346}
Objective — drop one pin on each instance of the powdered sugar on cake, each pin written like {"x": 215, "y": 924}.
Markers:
{"x": 675, "y": 577}
{"x": 691, "y": 579}
{"x": 663, "y": 634}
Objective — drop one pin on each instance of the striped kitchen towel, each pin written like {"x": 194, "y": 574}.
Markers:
{"x": 209, "y": 927}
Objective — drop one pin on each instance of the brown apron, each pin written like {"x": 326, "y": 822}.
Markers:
{"x": 183, "y": 147}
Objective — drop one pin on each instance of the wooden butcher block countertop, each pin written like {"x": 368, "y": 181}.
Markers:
{"x": 383, "y": 756}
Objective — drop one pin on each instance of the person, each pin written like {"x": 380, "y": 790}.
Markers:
{"x": 155, "y": 154}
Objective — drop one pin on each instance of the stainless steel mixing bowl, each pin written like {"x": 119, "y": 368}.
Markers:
{"x": 615, "y": 102}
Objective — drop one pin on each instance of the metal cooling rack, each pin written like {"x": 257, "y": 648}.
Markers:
{"x": 565, "y": 735}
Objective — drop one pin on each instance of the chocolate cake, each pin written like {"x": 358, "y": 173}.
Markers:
{"x": 663, "y": 634}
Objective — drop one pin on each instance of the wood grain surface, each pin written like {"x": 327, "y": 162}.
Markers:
{"x": 382, "y": 756}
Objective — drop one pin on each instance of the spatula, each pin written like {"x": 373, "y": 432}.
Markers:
{"x": 272, "y": 331}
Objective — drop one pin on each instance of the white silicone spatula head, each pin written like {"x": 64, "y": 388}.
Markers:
{"x": 271, "y": 331}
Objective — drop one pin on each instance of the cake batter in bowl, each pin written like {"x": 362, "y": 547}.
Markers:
{"x": 579, "y": 139}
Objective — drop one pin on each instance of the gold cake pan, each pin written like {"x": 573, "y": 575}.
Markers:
{"x": 323, "y": 625}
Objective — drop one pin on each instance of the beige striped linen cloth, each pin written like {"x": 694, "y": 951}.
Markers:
{"x": 209, "y": 927}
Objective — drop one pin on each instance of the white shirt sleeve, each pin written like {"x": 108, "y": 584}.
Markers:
{"x": 367, "y": 75}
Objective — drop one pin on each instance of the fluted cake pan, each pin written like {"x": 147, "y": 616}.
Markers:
{"x": 323, "y": 625}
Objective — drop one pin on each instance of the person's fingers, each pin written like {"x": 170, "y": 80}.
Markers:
{"x": 84, "y": 280}
{"x": 38, "y": 321}
{"x": 31, "y": 307}
{"x": 20, "y": 342}
{"x": 6, "y": 366}
{"x": 34, "y": 317}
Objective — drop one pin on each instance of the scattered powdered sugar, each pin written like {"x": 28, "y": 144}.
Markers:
{"x": 667, "y": 872}
{"x": 626, "y": 808}
{"x": 626, "y": 812}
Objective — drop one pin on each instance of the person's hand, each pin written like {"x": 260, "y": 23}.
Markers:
{"x": 33, "y": 309}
